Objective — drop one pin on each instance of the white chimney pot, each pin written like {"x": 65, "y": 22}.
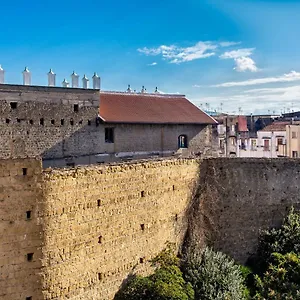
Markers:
{"x": 51, "y": 78}
{"x": 96, "y": 82}
{"x": 26, "y": 77}
{"x": 1, "y": 75}
{"x": 75, "y": 80}
{"x": 85, "y": 82}
{"x": 65, "y": 83}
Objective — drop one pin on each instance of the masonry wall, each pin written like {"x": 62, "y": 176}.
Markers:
{"x": 21, "y": 232}
{"x": 238, "y": 197}
{"x": 90, "y": 227}
{"x": 101, "y": 223}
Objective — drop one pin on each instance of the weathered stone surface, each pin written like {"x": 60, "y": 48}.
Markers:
{"x": 91, "y": 226}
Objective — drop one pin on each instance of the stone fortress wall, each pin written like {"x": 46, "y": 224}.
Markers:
{"x": 77, "y": 233}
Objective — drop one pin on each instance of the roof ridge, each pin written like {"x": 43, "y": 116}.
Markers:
{"x": 142, "y": 94}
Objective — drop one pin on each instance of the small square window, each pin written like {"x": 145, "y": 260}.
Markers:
{"x": 76, "y": 107}
{"x": 99, "y": 202}
{"x": 18, "y": 120}
{"x": 31, "y": 122}
{"x": 109, "y": 135}
{"x": 100, "y": 239}
{"x": 141, "y": 260}
{"x": 142, "y": 194}
{"x": 28, "y": 214}
{"x": 41, "y": 121}
{"x": 29, "y": 256}
{"x": 62, "y": 122}
{"x": 100, "y": 276}
{"x": 24, "y": 170}
{"x": 142, "y": 227}
{"x": 89, "y": 123}
{"x": 7, "y": 121}
{"x": 52, "y": 122}
{"x": 13, "y": 105}
{"x": 72, "y": 122}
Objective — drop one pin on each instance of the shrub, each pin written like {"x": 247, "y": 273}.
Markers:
{"x": 282, "y": 240}
{"x": 167, "y": 282}
{"x": 282, "y": 278}
{"x": 214, "y": 276}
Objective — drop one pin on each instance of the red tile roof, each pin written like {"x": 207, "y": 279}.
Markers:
{"x": 276, "y": 126}
{"x": 150, "y": 109}
{"x": 242, "y": 124}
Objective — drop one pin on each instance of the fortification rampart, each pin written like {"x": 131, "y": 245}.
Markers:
{"x": 90, "y": 227}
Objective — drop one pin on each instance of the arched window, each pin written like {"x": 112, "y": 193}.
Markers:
{"x": 182, "y": 141}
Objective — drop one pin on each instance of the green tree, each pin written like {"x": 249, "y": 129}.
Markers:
{"x": 282, "y": 240}
{"x": 282, "y": 278}
{"x": 214, "y": 276}
{"x": 167, "y": 282}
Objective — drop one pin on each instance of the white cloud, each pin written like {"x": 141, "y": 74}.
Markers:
{"x": 237, "y": 53}
{"x": 175, "y": 54}
{"x": 228, "y": 44}
{"x": 242, "y": 60}
{"x": 289, "y": 77}
{"x": 153, "y": 64}
{"x": 244, "y": 64}
{"x": 264, "y": 100}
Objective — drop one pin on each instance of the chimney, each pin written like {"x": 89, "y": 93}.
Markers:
{"x": 75, "y": 80}
{"x": 96, "y": 82}
{"x": 51, "y": 78}
{"x": 143, "y": 91}
{"x": 1, "y": 75}
{"x": 26, "y": 77}
{"x": 128, "y": 89}
{"x": 65, "y": 83}
{"x": 85, "y": 82}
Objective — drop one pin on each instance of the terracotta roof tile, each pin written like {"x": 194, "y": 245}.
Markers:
{"x": 150, "y": 109}
{"x": 242, "y": 124}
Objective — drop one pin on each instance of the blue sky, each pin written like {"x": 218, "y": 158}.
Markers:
{"x": 244, "y": 54}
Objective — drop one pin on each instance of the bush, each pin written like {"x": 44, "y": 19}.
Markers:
{"x": 282, "y": 278}
{"x": 167, "y": 282}
{"x": 214, "y": 276}
{"x": 283, "y": 240}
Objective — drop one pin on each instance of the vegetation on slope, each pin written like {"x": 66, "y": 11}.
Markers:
{"x": 273, "y": 272}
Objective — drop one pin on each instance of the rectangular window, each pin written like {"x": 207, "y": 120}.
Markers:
{"x": 253, "y": 144}
{"x": 279, "y": 141}
{"x": 294, "y": 134}
{"x": 109, "y": 135}
{"x": 266, "y": 145}
{"x": 295, "y": 154}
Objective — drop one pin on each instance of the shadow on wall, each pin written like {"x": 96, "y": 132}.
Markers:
{"x": 88, "y": 144}
{"x": 235, "y": 199}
